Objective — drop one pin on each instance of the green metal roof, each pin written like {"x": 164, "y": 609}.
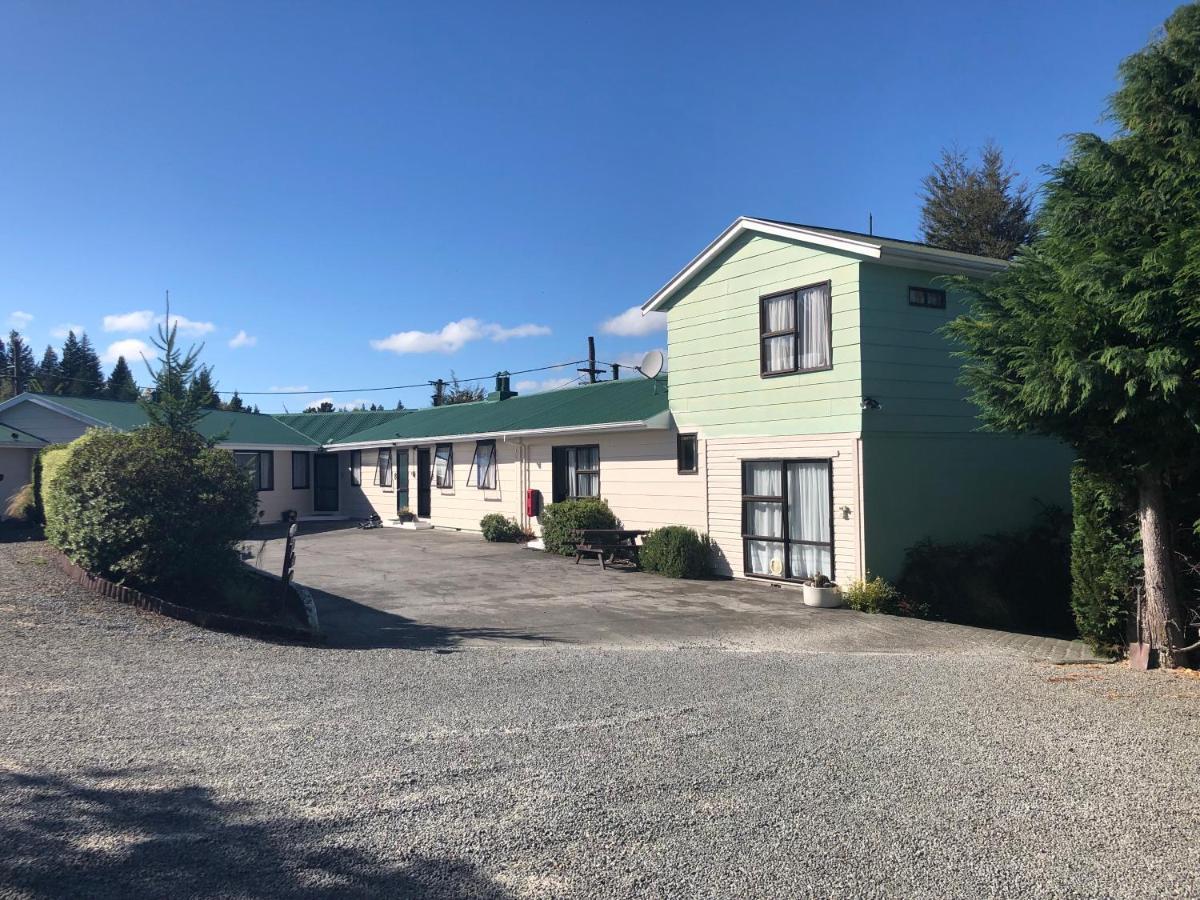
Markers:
{"x": 7, "y": 431}
{"x": 334, "y": 426}
{"x": 610, "y": 402}
{"x": 227, "y": 427}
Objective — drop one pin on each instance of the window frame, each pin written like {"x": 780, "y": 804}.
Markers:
{"x": 447, "y": 480}
{"x": 937, "y": 294}
{"x": 679, "y": 442}
{"x": 307, "y": 457}
{"x": 356, "y": 468}
{"x": 785, "y": 539}
{"x": 491, "y": 470}
{"x": 795, "y": 331}
{"x": 260, "y": 468}
{"x": 383, "y": 473}
{"x": 572, "y": 493}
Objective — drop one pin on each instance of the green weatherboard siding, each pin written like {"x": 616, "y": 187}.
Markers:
{"x": 713, "y": 344}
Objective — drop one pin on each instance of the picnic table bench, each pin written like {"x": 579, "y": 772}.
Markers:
{"x": 608, "y": 544}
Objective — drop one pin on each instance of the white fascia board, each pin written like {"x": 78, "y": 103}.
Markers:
{"x": 242, "y": 445}
{"x": 654, "y": 423}
{"x": 934, "y": 260}
{"x": 43, "y": 402}
{"x": 742, "y": 225}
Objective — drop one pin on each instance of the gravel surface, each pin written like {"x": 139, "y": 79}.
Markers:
{"x": 144, "y": 757}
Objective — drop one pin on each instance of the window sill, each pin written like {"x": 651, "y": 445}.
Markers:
{"x": 828, "y": 368}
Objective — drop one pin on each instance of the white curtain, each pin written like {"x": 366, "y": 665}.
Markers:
{"x": 815, "y": 306}
{"x": 759, "y": 554}
{"x": 781, "y": 313}
{"x": 764, "y": 479}
{"x": 809, "y": 518}
{"x": 781, "y": 316}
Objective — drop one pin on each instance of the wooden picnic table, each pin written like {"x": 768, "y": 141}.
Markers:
{"x": 608, "y": 543}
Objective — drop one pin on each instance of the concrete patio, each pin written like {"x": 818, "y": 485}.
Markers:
{"x": 441, "y": 590}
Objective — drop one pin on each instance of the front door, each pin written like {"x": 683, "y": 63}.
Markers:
{"x": 325, "y": 482}
{"x": 401, "y": 479}
{"x": 423, "y": 476}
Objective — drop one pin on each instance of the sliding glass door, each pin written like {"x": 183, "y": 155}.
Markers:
{"x": 787, "y": 518}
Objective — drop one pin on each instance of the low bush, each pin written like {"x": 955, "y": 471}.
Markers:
{"x": 159, "y": 510}
{"x": 1018, "y": 580}
{"x": 496, "y": 527}
{"x": 677, "y": 552}
{"x": 561, "y": 520}
{"x": 873, "y": 595}
{"x": 21, "y": 506}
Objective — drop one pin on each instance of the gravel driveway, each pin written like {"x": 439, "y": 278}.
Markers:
{"x": 143, "y": 757}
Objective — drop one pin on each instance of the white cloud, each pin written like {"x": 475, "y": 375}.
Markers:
{"x": 632, "y": 323}
{"x": 18, "y": 319}
{"x": 187, "y": 326}
{"x": 288, "y": 389}
{"x": 61, "y": 331}
{"x": 140, "y": 320}
{"x": 453, "y": 336}
{"x": 548, "y": 384}
{"x": 130, "y": 348}
{"x": 241, "y": 339}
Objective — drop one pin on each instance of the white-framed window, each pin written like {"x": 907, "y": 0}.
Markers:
{"x": 796, "y": 331}
{"x": 383, "y": 469}
{"x": 356, "y": 467}
{"x": 261, "y": 466}
{"x": 484, "y": 468}
{"x": 443, "y": 466}
{"x": 300, "y": 469}
{"x": 787, "y": 517}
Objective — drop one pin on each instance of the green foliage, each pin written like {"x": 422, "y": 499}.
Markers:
{"x": 20, "y": 358}
{"x": 46, "y": 465}
{"x": 561, "y": 520}
{"x": 1017, "y": 580}
{"x": 177, "y": 401}
{"x": 156, "y": 508}
{"x": 874, "y": 595}
{"x": 977, "y": 209}
{"x": 462, "y": 393}
{"x": 1105, "y": 558}
{"x": 45, "y": 378}
{"x": 79, "y": 372}
{"x": 203, "y": 389}
{"x": 121, "y": 385}
{"x": 496, "y": 527}
{"x": 677, "y": 552}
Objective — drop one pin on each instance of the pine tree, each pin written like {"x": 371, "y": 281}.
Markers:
{"x": 121, "y": 385}
{"x": 204, "y": 390}
{"x": 45, "y": 379}
{"x": 5, "y": 383}
{"x": 21, "y": 365}
{"x": 399, "y": 404}
{"x": 325, "y": 406}
{"x": 70, "y": 364}
{"x": 1092, "y": 335}
{"x": 235, "y": 404}
{"x": 172, "y": 403}
{"x": 90, "y": 382}
{"x": 979, "y": 209}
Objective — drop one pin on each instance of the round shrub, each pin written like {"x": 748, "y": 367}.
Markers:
{"x": 677, "y": 552}
{"x": 160, "y": 510}
{"x": 873, "y": 596}
{"x": 561, "y": 520}
{"x": 496, "y": 527}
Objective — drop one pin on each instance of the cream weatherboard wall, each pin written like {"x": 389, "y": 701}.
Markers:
{"x": 713, "y": 344}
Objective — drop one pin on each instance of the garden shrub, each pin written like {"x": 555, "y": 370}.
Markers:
{"x": 1018, "y": 580}
{"x": 873, "y": 595}
{"x": 560, "y": 521}
{"x": 20, "y": 506}
{"x": 159, "y": 510}
{"x": 1106, "y": 561}
{"x": 677, "y": 552}
{"x": 496, "y": 527}
{"x": 46, "y": 464}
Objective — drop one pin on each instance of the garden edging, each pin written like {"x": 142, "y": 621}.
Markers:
{"x": 205, "y": 619}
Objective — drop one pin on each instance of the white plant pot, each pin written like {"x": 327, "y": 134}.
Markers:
{"x": 824, "y": 597}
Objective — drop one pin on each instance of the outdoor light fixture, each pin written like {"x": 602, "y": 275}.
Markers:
{"x": 870, "y": 403}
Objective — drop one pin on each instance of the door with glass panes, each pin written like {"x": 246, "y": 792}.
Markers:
{"x": 787, "y": 518}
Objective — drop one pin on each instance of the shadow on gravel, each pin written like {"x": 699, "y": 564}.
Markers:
{"x": 14, "y": 533}
{"x": 349, "y": 625}
{"x": 112, "y": 834}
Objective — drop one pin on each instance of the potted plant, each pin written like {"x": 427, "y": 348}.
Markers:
{"x": 820, "y": 591}
{"x": 404, "y": 514}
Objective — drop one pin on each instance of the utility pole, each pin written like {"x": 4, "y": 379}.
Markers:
{"x": 439, "y": 392}
{"x": 591, "y": 369}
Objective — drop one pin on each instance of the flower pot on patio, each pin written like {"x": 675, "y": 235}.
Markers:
{"x": 819, "y": 591}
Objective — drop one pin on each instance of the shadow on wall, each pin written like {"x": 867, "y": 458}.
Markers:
{"x": 108, "y": 833}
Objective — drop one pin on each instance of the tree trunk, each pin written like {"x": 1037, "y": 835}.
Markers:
{"x": 1161, "y": 607}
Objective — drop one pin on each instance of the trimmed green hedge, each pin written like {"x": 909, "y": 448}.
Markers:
{"x": 676, "y": 552}
{"x": 159, "y": 510}
{"x": 502, "y": 529}
{"x": 1106, "y": 558}
{"x": 45, "y": 467}
{"x": 560, "y": 521}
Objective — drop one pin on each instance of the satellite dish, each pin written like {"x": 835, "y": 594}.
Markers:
{"x": 652, "y": 364}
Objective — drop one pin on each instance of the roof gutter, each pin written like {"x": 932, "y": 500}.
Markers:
{"x": 653, "y": 423}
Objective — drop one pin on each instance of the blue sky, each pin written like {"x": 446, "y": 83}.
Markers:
{"x": 378, "y": 194}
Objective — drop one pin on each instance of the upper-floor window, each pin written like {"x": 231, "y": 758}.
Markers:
{"x": 928, "y": 297}
{"x": 796, "y": 331}
{"x": 261, "y": 466}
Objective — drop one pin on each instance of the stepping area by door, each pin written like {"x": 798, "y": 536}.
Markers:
{"x": 447, "y": 590}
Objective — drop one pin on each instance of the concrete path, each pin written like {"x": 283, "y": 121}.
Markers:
{"x": 442, "y": 590}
